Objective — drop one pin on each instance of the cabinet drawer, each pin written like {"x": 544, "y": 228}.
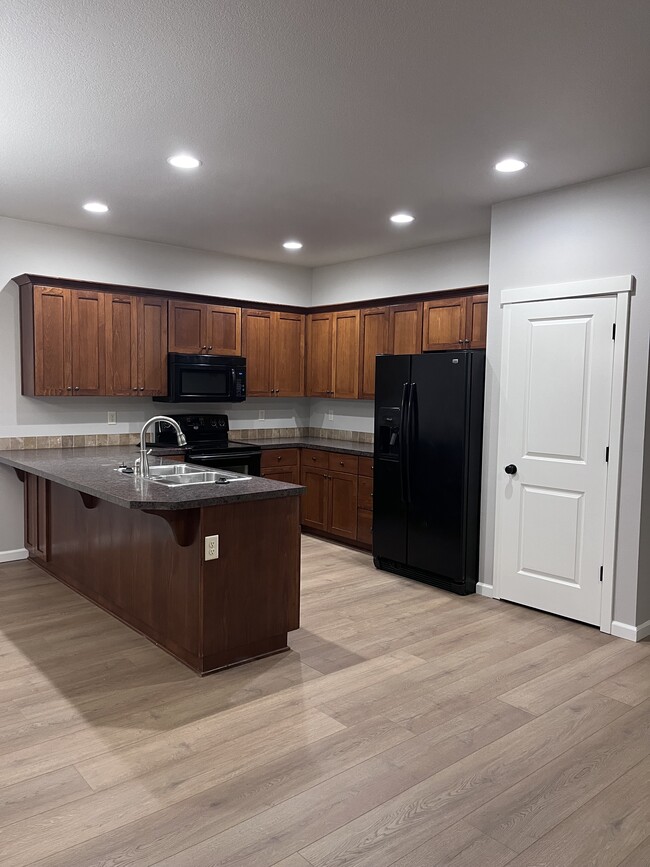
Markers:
{"x": 366, "y": 466}
{"x": 279, "y": 458}
{"x": 315, "y": 458}
{"x": 365, "y": 492}
{"x": 364, "y": 526}
{"x": 344, "y": 463}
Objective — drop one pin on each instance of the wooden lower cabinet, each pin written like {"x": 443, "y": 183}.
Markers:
{"x": 342, "y": 517}
{"x": 364, "y": 526}
{"x": 314, "y": 503}
{"x": 282, "y": 465}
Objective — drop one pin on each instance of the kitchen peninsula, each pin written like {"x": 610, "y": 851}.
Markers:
{"x": 135, "y": 547}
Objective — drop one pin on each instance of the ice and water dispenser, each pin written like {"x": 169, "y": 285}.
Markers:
{"x": 389, "y": 418}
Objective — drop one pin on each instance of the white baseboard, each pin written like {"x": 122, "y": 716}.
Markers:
{"x": 631, "y": 633}
{"x": 16, "y": 554}
{"x": 484, "y": 589}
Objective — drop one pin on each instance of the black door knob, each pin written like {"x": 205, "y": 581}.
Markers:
{"x": 511, "y": 469}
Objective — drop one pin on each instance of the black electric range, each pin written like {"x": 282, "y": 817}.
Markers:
{"x": 208, "y": 444}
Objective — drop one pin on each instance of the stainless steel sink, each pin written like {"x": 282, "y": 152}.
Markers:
{"x": 190, "y": 474}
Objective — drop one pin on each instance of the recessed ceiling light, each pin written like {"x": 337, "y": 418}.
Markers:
{"x": 292, "y": 245}
{"x": 402, "y": 217}
{"x": 511, "y": 164}
{"x": 184, "y": 161}
{"x": 96, "y": 207}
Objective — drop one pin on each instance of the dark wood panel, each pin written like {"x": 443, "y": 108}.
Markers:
{"x": 314, "y": 502}
{"x": 364, "y": 526}
{"x": 315, "y": 458}
{"x": 374, "y": 328}
{"x": 88, "y": 343}
{"x": 477, "y": 311}
{"x": 291, "y": 475}
{"x": 272, "y": 458}
{"x": 366, "y": 466}
{"x": 121, "y": 345}
{"x": 343, "y": 463}
{"x": 187, "y": 327}
{"x": 37, "y": 511}
{"x": 52, "y": 341}
{"x": 319, "y": 355}
{"x": 345, "y": 361}
{"x": 443, "y": 324}
{"x": 342, "y": 518}
{"x": 152, "y": 346}
{"x": 288, "y": 352}
{"x": 365, "y": 492}
{"x": 405, "y": 329}
{"x": 257, "y": 328}
{"x": 223, "y": 330}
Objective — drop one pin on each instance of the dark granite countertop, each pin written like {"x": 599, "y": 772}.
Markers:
{"x": 92, "y": 471}
{"x": 342, "y": 447}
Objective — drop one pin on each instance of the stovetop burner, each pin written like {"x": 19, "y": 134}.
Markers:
{"x": 207, "y": 432}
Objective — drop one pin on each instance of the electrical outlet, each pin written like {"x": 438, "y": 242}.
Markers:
{"x": 262, "y": 415}
{"x": 211, "y": 547}
{"x": 111, "y": 417}
{"x": 330, "y": 415}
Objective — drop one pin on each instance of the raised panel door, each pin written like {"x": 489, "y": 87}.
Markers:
{"x": 152, "y": 346}
{"x": 187, "y": 327}
{"x": 476, "y": 326}
{"x": 443, "y": 325}
{"x": 374, "y": 326}
{"x": 52, "y": 343}
{"x": 121, "y": 345}
{"x": 319, "y": 355}
{"x": 283, "y": 474}
{"x": 405, "y": 329}
{"x": 88, "y": 343}
{"x": 289, "y": 354}
{"x": 258, "y": 326}
{"x": 223, "y": 330}
{"x": 345, "y": 361}
{"x": 343, "y": 501}
{"x": 314, "y": 501}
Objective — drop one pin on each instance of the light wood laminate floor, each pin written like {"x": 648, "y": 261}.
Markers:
{"x": 407, "y": 727}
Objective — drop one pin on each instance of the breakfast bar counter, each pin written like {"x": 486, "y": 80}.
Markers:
{"x": 138, "y": 549}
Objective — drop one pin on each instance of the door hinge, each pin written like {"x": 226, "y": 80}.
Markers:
{"x": 601, "y": 573}
{"x": 614, "y": 331}
{"x": 607, "y": 455}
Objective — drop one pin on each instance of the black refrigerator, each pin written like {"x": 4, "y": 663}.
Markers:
{"x": 427, "y": 475}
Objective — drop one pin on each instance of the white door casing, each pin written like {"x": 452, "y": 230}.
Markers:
{"x": 562, "y": 381}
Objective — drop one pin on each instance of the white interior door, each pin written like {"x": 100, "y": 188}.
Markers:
{"x": 554, "y": 428}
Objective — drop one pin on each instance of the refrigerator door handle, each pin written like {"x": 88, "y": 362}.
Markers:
{"x": 412, "y": 398}
{"x": 402, "y": 443}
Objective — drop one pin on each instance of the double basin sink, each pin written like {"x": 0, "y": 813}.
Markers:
{"x": 191, "y": 474}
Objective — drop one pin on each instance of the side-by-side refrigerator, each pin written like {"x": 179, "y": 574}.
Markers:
{"x": 427, "y": 476}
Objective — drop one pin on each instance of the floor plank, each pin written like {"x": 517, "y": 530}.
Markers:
{"x": 407, "y": 727}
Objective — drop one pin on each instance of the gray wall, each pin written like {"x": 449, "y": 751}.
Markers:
{"x": 596, "y": 229}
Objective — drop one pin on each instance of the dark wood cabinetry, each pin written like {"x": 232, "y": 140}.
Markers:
{"x": 333, "y": 354}
{"x": 405, "y": 329}
{"x": 476, "y": 320}
{"x": 319, "y": 355}
{"x": 274, "y": 347}
{"x": 204, "y": 329}
{"x": 455, "y": 321}
{"x": 329, "y": 503}
{"x": 136, "y": 345}
{"x": 283, "y": 465}
{"x": 37, "y": 509}
{"x": 373, "y": 341}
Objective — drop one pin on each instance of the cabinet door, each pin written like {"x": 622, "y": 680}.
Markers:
{"x": 444, "y": 324}
{"x": 88, "y": 343}
{"x": 288, "y": 354}
{"x": 121, "y": 345}
{"x": 364, "y": 527}
{"x": 476, "y": 324}
{"x": 286, "y": 474}
{"x": 187, "y": 327}
{"x": 405, "y": 329}
{"x": 319, "y": 355}
{"x": 52, "y": 344}
{"x": 223, "y": 330}
{"x": 373, "y": 342}
{"x": 343, "y": 505}
{"x": 314, "y": 502}
{"x": 152, "y": 346}
{"x": 345, "y": 363}
{"x": 258, "y": 326}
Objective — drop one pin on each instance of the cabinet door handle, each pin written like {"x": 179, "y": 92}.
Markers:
{"x": 342, "y": 463}
{"x": 209, "y": 348}
{"x": 69, "y": 388}
{"x": 76, "y": 388}
{"x": 135, "y": 388}
{"x": 142, "y": 388}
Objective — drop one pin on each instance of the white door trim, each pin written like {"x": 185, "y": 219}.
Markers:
{"x": 621, "y": 287}
{"x": 577, "y": 289}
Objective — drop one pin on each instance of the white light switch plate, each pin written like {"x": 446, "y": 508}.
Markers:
{"x": 111, "y": 417}
{"x": 330, "y": 415}
{"x": 212, "y": 547}
{"x": 262, "y": 415}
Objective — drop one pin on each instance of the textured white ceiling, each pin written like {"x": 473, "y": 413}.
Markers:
{"x": 314, "y": 118}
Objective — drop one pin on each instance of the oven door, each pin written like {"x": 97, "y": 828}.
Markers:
{"x": 248, "y": 463}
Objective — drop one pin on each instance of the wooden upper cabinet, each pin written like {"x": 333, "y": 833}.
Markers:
{"x": 257, "y": 342}
{"x": 223, "y": 330}
{"x": 152, "y": 346}
{"x": 288, "y": 354}
{"x": 46, "y": 325}
{"x": 443, "y": 325}
{"x": 476, "y": 327}
{"x": 405, "y": 329}
{"x": 345, "y": 356}
{"x": 121, "y": 345}
{"x": 319, "y": 355}
{"x": 88, "y": 349}
{"x": 373, "y": 341}
{"x": 187, "y": 327}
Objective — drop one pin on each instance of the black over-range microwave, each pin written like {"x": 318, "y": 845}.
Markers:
{"x": 205, "y": 379}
